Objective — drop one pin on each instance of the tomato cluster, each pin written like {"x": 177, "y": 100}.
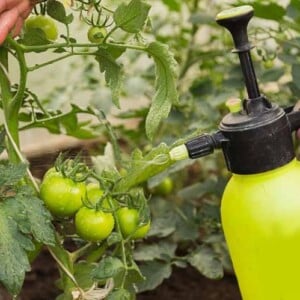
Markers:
{"x": 92, "y": 210}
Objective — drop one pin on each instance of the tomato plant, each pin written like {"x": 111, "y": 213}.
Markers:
{"x": 176, "y": 83}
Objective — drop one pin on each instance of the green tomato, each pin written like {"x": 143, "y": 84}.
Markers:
{"x": 46, "y": 24}
{"x": 50, "y": 172}
{"x": 129, "y": 223}
{"x": 93, "y": 225}
{"x": 268, "y": 64}
{"x": 165, "y": 187}
{"x": 94, "y": 194}
{"x": 62, "y": 196}
{"x": 97, "y": 34}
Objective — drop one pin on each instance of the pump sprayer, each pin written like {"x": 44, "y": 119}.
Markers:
{"x": 260, "y": 207}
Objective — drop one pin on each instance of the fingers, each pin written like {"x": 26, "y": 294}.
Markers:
{"x": 12, "y": 16}
{"x": 18, "y": 27}
{"x": 8, "y": 20}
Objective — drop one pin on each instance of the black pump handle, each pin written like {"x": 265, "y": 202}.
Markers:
{"x": 236, "y": 21}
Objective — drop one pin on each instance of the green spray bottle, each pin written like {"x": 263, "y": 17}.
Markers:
{"x": 260, "y": 208}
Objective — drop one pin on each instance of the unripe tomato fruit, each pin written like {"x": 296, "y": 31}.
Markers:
{"x": 97, "y": 34}
{"x": 268, "y": 64}
{"x": 46, "y": 24}
{"x": 93, "y": 225}
{"x": 129, "y": 223}
{"x": 165, "y": 187}
{"x": 62, "y": 196}
{"x": 94, "y": 194}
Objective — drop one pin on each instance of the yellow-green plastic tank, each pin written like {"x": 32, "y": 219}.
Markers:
{"x": 261, "y": 222}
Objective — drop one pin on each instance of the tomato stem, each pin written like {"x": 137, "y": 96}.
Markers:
{"x": 49, "y": 62}
{"x": 81, "y": 251}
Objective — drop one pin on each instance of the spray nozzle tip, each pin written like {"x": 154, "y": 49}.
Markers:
{"x": 179, "y": 153}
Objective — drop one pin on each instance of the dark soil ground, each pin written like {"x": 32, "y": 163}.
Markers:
{"x": 184, "y": 284}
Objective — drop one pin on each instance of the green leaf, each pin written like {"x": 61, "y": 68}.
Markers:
{"x": 155, "y": 273}
{"x": 142, "y": 168}
{"x": 56, "y": 10}
{"x": 83, "y": 274}
{"x": 120, "y": 294}
{"x": 133, "y": 276}
{"x": 22, "y": 217}
{"x": 205, "y": 261}
{"x": 267, "y": 10}
{"x": 114, "y": 238}
{"x": 29, "y": 211}
{"x": 199, "y": 189}
{"x": 296, "y": 75}
{"x": 273, "y": 74}
{"x": 65, "y": 259}
{"x": 112, "y": 70}
{"x": 201, "y": 18}
{"x": 163, "y": 251}
{"x": 163, "y": 226}
{"x": 186, "y": 229}
{"x": 165, "y": 86}
{"x": 34, "y": 37}
{"x": 108, "y": 267}
{"x": 132, "y": 17}
{"x": 67, "y": 123}
{"x": 293, "y": 10}
{"x": 10, "y": 174}
{"x": 2, "y": 140}
{"x": 65, "y": 296}
{"x": 173, "y": 5}
{"x": 13, "y": 257}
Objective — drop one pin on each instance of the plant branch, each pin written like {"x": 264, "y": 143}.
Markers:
{"x": 26, "y": 48}
{"x": 20, "y": 156}
{"x": 117, "y": 153}
{"x": 64, "y": 269}
{"x": 49, "y": 62}
{"x": 44, "y": 120}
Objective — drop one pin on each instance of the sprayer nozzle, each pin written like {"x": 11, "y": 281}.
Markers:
{"x": 179, "y": 153}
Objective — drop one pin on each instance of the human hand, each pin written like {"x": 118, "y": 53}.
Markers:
{"x": 12, "y": 16}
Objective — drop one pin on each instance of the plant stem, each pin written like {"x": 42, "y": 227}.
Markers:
{"x": 17, "y": 100}
{"x": 75, "y": 45}
{"x": 110, "y": 33}
{"x": 49, "y": 62}
{"x": 10, "y": 120}
{"x": 20, "y": 157}
{"x": 112, "y": 136}
{"x": 122, "y": 243}
{"x": 81, "y": 251}
{"x": 51, "y": 118}
{"x": 95, "y": 255}
{"x": 189, "y": 55}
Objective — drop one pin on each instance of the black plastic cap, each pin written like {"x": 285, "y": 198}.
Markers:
{"x": 200, "y": 146}
{"x": 258, "y": 142}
